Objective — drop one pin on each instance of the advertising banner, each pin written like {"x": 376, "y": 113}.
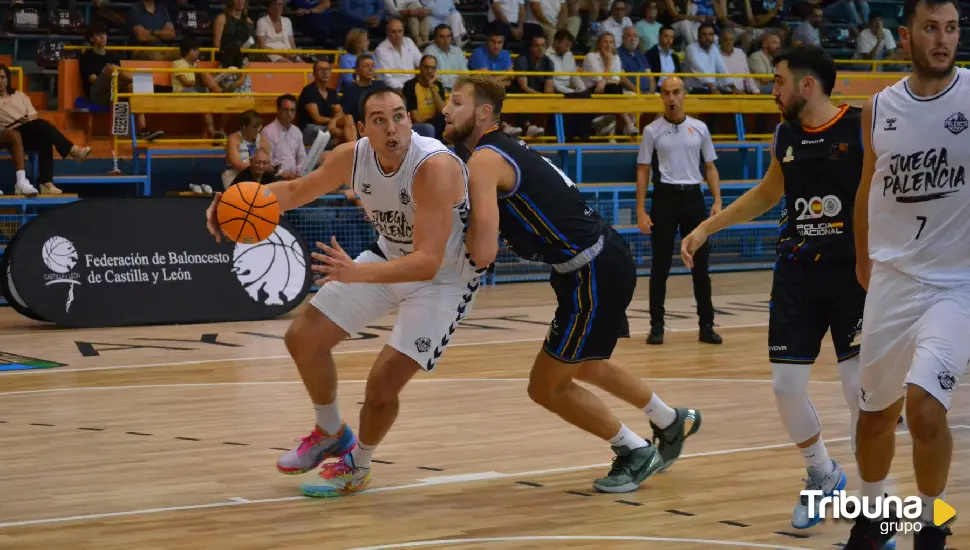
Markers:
{"x": 147, "y": 261}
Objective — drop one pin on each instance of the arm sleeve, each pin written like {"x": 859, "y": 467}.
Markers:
{"x": 645, "y": 156}
{"x": 707, "y": 146}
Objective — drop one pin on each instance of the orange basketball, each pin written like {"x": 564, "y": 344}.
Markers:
{"x": 248, "y": 212}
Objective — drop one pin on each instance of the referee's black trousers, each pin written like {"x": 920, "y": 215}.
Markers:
{"x": 678, "y": 207}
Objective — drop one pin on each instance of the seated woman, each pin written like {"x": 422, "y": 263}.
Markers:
{"x": 275, "y": 32}
{"x": 604, "y": 59}
{"x": 231, "y": 57}
{"x": 355, "y": 44}
{"x": 234, "y": 24}
{"x": 241, "y": 146}
{"x": 37, "y": 135}
{"x": 10, "y": 140}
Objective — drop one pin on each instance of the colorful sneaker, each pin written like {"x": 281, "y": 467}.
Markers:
{"x": 817, "y": 481}
{"x": 338, "y": 478}
{"x": 315, "y": 448}
{"x": 670, "y": 440}
{"x": 630, "y": 469}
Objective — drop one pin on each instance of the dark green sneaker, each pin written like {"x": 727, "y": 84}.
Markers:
{"x": 630, "y": 469}
{"x": 670, "y": 440}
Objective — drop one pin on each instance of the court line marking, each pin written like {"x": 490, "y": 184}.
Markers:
{"x": 345, "y": 352}
{"x": 444, "y": 542}
{"x": 416, "y": 381}
{"x": 428, "y": 482}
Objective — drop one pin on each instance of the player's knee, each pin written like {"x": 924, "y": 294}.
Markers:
{"x": 544, "y": 390}
{"x": 380, "y": 395}
{"x": 306, "y": 335}
{"x": 789, "y": 380}
{"x": 925, "y": 415}
{"x": 877, "y": 424}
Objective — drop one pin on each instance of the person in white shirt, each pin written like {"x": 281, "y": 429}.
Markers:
{"x": 563, "y": 62}
{"x": 605, "y": 60}
{"x": 617, "y": 21}
{"x": 875, "y": 42}
{"x": 397, "y": 52}
{"x": 703, "y": 58}
{"x": 275, "y": 32}
{"x": 736, "y": 63}
{"x": 414, "y": 15}
{"x": 508, "y": 16}
{"x": 547, "y": 16}
{"x": 449, "y": 56}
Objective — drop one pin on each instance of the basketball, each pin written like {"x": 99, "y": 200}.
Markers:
{"x": 248, "y": 212}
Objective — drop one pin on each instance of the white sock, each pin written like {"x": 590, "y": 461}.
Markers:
{"x": 626, "y": 438}
{"x": 817, "y": 456}
{"x": 362, "y": 453}
{"x": 852, "y": 391}
{"x": 21, "y": 176}
{"x": 659, "y": 413}
{"x": 872, "y": 489}
{"x": 927, "y": 515}
{"x": 328, "y": 418}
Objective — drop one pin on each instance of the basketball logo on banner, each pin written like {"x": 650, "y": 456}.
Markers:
{"x": 121, "y": 119}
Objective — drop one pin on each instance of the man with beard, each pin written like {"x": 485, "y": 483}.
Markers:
{"x": 543, "y": 218}
{"x": 816, "y": 164}
{"x": 912, "y": 217}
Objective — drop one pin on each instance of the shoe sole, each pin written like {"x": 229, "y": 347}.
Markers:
{"x": 299, "y": 471}
{"x": 633, "y": 485}
{"x": 843, "y": 481}
{"x": 330, "y": 492}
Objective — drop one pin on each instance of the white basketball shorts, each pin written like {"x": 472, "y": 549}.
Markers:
{"x": 912, "y": 333}
{"x": 428, "y": 312}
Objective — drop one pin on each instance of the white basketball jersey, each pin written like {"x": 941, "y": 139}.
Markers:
{"x": 389, "y": 203}
{"x": 919, "y": 203}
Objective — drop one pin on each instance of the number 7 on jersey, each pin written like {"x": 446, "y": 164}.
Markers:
{"x": 922, "y": 224}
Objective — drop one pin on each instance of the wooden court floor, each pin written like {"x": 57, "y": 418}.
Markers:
{"x": 166, "y": 438}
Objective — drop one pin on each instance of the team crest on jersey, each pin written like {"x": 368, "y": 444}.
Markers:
{"x": 956, "y": 123}
{"x": 365, "y": 188}
{"x": 839, "y": 151}
{"x": 789, "y": 155}
{"x": 405, "y": 198}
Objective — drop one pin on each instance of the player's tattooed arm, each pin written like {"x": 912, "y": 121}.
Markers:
{"x": 860, "y": 214}
{"x": 487, "y": 173}
{"x": 328, "y": 177}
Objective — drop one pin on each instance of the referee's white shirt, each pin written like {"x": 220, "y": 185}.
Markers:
{"x": 679, "y": 148}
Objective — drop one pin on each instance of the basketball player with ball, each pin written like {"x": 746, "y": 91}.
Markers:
{"x": 415, "y": 192}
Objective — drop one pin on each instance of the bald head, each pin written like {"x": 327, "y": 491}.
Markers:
{"x": 672, "y": 93}
{"x": 671, "y": 84}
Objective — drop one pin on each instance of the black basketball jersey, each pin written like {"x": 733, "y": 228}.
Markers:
{"x": 544, "y": 218}
{"x": 822, "y": 168}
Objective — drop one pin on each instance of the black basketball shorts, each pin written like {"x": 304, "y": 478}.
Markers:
{"x": 591, "y": 314}
{"x": 808, "y": 299}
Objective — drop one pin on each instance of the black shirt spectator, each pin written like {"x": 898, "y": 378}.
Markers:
{"x": 92, "y": 63}
{"x": 528, "y": 63}
{"x": 311, "y": 95}
{"x": 247, "y": 175}
{"x": 354, "y": 92}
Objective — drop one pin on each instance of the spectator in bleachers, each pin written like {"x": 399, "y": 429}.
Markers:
{"x": 444, "y": 12}
{"x": 449, "y": 56}
{"x": 363, "y": 82}
{"x": 854, "y": 12}
{"x": 507, "y": 17}
{"x": 195, "y": 83}
{"x": 368, "y": 14}
{"x": 285, "y": 140}
{"x": 687, "y": 21}
{"x": 259, "y": 169}
{"x": 36, "y": 134}
{"x": 275, "y": 32}
{"x": 761, "y": 61}
{"x": 355, "y": 44}
{"x": 234, "y": 23}
{"x": 875, "y": 41}
{"x": 545, "y": 17}
{"x": 649, "y": 28}
{"x": 634, "y": 61}
{"x": 491, "y": 56}
{"x": 397, "y": 52}
{"x": 314, "y": 19}
{"x": 424, "y": 97}
{"x": 96, "y": 65}
{"x": 703, "y": 58}
{"x": 563, "y": 61}
{"x": 151, "y": 25}
{"x": 617, "y": 21}
{"x": 241, "y": 147}
{"x": 231, "y": 57}
{"x": 319, "y": 110}
{"x": 765, "y": 18}
{"x": 736, "y": 62}
{"x": 662, "y": 57}
{"x": 534, "y": 60}
{"x": 807, "y": 31}
{"x": 11, "y": 141}
{"x": 604, "y": 59}
{"x": 415, "y": 16}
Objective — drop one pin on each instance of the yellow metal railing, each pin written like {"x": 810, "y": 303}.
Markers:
{"x": 19, "y": 71}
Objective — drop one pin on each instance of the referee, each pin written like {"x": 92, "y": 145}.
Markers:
{"x": 678, "y": 202}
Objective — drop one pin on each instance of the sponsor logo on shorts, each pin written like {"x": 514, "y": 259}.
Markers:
{"x": 422, "y": 344}
{"x": 777, "y": 348}
{"x": 947, "y": 380}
